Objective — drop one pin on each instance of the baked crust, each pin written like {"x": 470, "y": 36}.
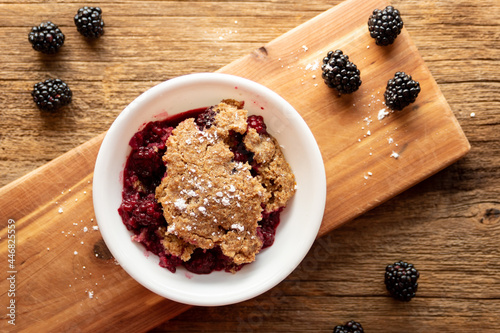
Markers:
{"x": 208, "y": 198}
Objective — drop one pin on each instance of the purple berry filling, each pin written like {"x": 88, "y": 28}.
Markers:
{"x": 144, "y": 169}
{"x": 257, "y": 123}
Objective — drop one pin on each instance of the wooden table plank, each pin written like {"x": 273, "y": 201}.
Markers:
{"x": 454, "y": 210}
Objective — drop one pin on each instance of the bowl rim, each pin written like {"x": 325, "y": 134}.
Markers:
{"x": 99, "y": 188}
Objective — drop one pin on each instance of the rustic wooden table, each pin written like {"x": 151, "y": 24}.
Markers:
{"x": 448, "y": 225}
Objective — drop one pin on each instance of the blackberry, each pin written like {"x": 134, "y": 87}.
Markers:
{"x": 257, "y": 123}
{"x": 237, "y": 147}
{"x": 340, "y": 73}
{"x": 401, "y": 91}
{"x": 89, "y": 23}
{"x": 46, "y": 38}
{"x": 206, "y": 119}
{"x": 201, "y": 262}
{"x": 148, "y": 164}
{"x": 267, "y": 227}
{"x": 385, "y": 25}
{"x": 141, "y": 211}
{"x": 401, "y": 280}
{"x": 51, "y": 94}
{"x": 349, "y": 327}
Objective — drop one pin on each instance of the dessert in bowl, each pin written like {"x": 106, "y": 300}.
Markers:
{"x": 300, "y": 217}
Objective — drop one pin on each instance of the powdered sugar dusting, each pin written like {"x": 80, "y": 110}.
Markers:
{"x": 312, "y": 66}
{"x": 238, "y": 227}
{"x": 180, "y": 204}
{"x": 382, "y": 114}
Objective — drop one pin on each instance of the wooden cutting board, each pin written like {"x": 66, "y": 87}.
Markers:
{"x": 66, "y": 280}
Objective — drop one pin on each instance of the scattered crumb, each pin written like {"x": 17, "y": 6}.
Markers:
{"x": 472, "y": 114}
{"x": 395, "y": 155}
{"x": 382, "y": 113}
{"x": 60, "y": 210}
{"x": 75, "y": 253}
{"x": 91, "y": 294}
{"x": 314, "y": 66}
{"x": 367, "y": 175}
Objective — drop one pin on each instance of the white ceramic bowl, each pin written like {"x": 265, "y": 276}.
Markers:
{"x": 300, "y": 220}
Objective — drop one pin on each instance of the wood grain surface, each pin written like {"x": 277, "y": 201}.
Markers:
{"x": 448, "y": 225}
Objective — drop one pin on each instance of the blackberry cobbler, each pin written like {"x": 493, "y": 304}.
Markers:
{"x": 205, "y": 189}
